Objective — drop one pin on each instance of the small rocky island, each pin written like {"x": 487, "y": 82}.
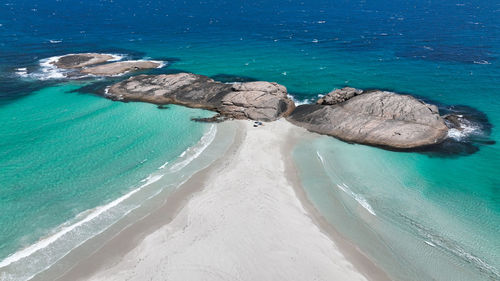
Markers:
{"x": 100, "y": 65}
{"x": 74, "y": 61}
{"x": 263, "y": 101}
{"x": 378, "y": 118}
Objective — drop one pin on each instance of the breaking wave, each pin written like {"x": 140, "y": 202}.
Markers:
{"x": 193, "y": 152}
{"x": 358, "y": 197}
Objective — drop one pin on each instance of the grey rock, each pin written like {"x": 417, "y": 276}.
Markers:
{"x": 257, "y": 101}
{"x": 74, "y": 61}
{"x": 339, "y": 95}
{"x": 376, "y": 118}
{"x": 253, "y": 100}
{"x": 121, "y": 67}
{"x": 453, "y": 121}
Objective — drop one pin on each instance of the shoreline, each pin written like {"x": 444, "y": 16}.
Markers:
{"x": 111, "y": 259}
{"x": 352, "y": 252}
{"x": 140, "y": 222}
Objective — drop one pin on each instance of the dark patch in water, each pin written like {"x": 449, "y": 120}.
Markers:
{"x": 214, "y": 119}
{"x": 96, "y": 88}
{"x": 169, "y": 59}
{"x": 450, "y": 53}
{"x": 14, "y": 88}
{"x": 228, "y": 78}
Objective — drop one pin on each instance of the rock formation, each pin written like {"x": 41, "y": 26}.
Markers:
{"x": 376, "y": 118}
{"x": 252, "y": 100}
{"x": 121, "y": 67}
{"x": 74, "y": 61}
{"x": 339, "y": 95}
{"x": 98, "y": 64}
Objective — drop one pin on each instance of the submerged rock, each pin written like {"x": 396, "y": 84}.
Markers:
{"x": 73, "y": 61}
{"x": 121, "y": 67}
{"x": 253, "y": 100}
{"x": 376, "y": 118}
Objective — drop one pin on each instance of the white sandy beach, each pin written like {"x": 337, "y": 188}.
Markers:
{"x": 246, "y": 223}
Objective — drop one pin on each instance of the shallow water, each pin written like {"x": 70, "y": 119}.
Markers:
{"x": 63, "y": 152}
{"x": 391, "y": 204}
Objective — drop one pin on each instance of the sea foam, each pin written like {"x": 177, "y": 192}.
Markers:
{"x": 45, "y": 242}
{"x": 193, "y": 152}
{"x": 48, "y": 70}
{"x": 358, "y": 197}
{"x": 467, "y": 128}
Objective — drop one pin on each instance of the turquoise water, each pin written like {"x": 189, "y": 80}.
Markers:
{"x": 64, "y": 152}
{"x": 418, "y": 217}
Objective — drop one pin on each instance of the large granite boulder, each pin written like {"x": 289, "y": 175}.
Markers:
{"x": 257, "y": 101}
{"x": 253, "y": 100}
{"x": 121, "y": 67}
{"x": 74, "y": 61}
{"x": 376, "y": 118}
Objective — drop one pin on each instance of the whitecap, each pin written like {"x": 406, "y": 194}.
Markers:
{"x": 482, "y": 62}
{"x": 22, "y": 72}
{"x": 55, "y": 41}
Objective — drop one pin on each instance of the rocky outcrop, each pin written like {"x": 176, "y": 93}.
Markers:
{"x": 339, "y": 95}
{"x": 257, "y": 101}
{"x": 100, "y": 65}
{"x": 376, "y": 118}
{"x": 74, "y": 61}
{"x": 121, "y": 67}
{"x": 253, "y": 100}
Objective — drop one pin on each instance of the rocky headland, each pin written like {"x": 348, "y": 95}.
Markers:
{"x": 378, "y": 118}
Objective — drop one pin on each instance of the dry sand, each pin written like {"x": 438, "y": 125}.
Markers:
{"x": 245, "y": 223}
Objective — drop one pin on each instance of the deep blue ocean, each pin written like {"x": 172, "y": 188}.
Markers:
{"x": 65, "y": 150}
